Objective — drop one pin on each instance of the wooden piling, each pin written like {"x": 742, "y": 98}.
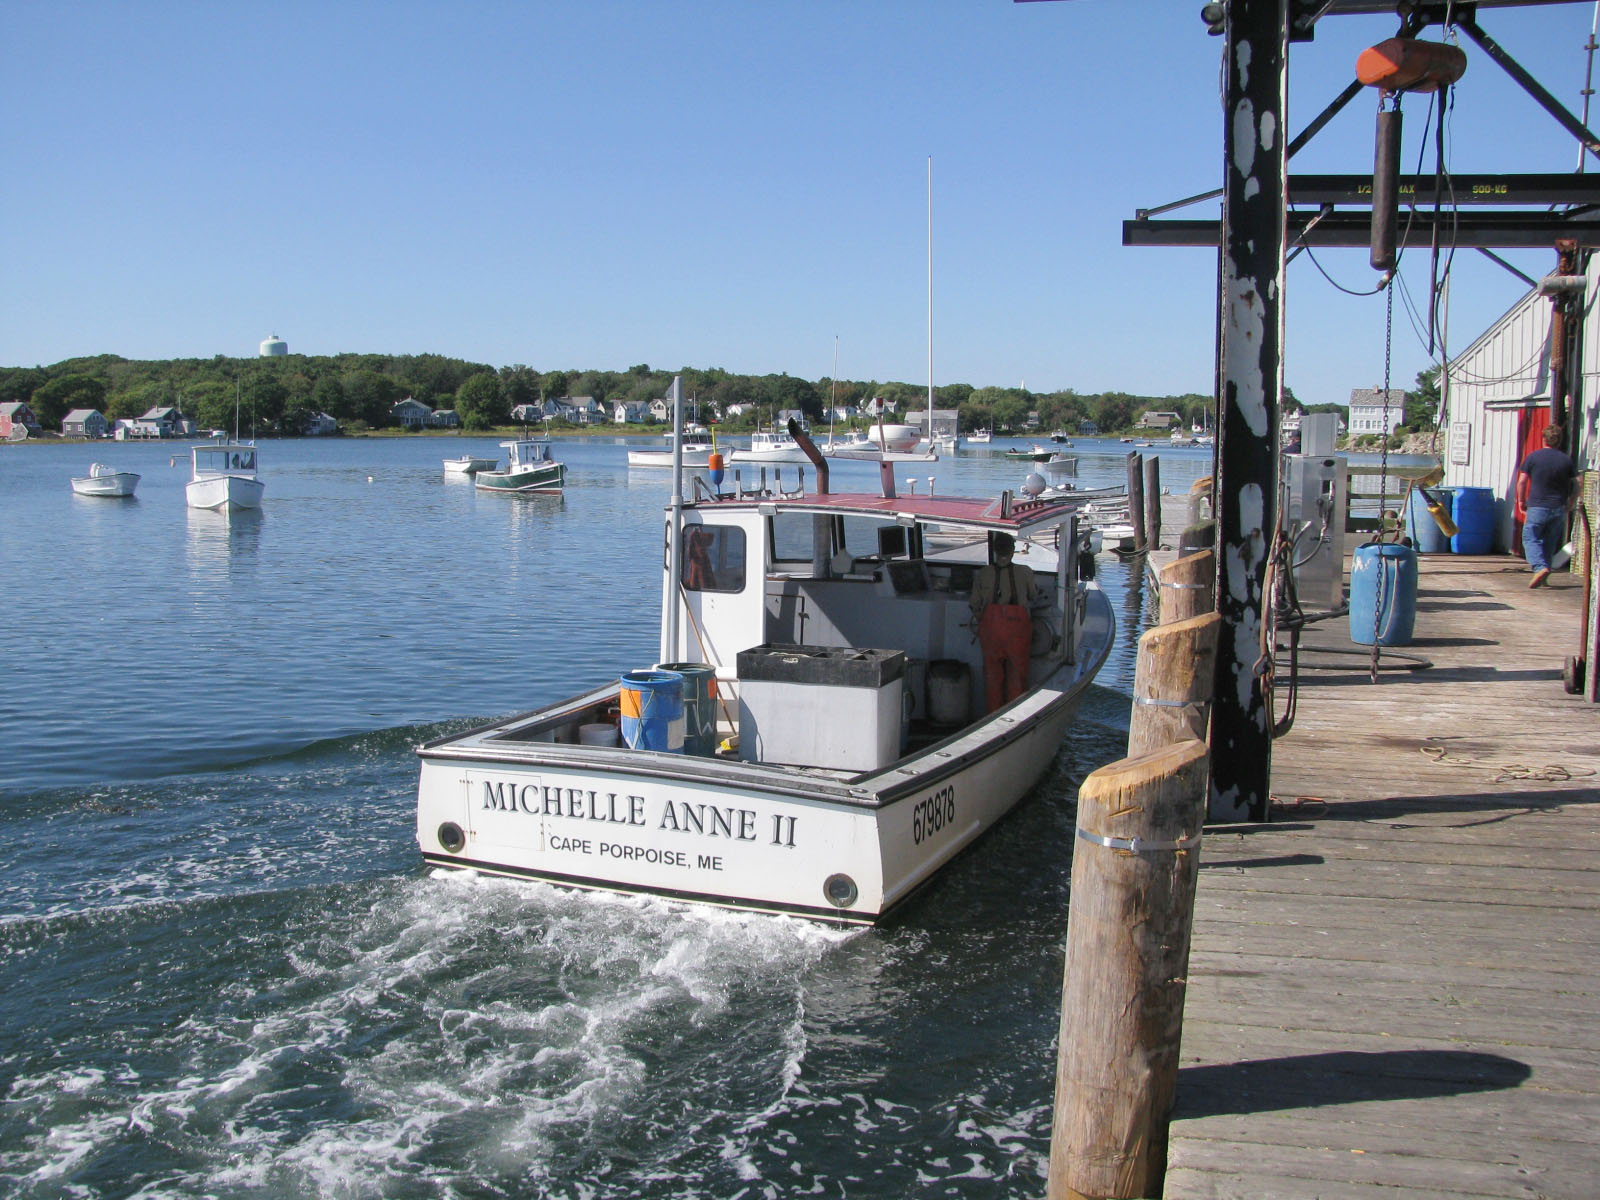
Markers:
{"x": 1136, "y": 500}
{"x": 1185, "y": 587}
{"x": 1152, "y": 500}
{"x": 1172, "y": 682}
{"x": 1133, "y": 878}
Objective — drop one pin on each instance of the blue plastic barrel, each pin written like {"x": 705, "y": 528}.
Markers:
{"x": 1473, "y": 510}
{"x": 651, "y": 704}
{"x": 1426, "y": 535}
{"x": 699, "y": 706}
{"x": 1383, "y": 594}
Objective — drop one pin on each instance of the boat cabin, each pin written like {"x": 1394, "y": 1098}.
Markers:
{"x": 224, "y": 459}
{"x": 852, "y": 571}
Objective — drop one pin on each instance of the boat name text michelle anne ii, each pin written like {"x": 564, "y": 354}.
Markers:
{"x": 812, "y": 739}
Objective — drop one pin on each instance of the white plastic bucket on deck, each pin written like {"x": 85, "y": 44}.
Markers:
{"x": 600, "y": 734}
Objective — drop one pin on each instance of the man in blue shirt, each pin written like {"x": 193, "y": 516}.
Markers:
{"x": 1544, "y": 494}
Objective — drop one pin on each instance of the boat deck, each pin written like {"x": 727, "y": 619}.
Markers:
{"x": 1394, "y": 985}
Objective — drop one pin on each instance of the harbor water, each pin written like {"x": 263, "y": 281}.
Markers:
{"x": 224, "y": 971}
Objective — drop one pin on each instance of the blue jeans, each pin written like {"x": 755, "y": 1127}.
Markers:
{"x": 1543, "y": 533}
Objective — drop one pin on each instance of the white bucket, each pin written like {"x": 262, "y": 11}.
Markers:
{"x": 600, "y": 734}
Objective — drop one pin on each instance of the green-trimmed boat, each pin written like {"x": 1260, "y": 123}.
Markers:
{"x": 529, "y": 468}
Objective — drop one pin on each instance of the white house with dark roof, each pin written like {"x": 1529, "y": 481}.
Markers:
{"x": 1371, "y": 413}
{"x": 162, "y": 421}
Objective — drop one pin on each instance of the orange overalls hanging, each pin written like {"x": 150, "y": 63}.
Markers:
{"x": 1005, "y": 632}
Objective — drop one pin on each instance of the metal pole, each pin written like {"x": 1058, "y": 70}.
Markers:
{"x": 669, "y": 627}
{"x": 1254, "y": 68}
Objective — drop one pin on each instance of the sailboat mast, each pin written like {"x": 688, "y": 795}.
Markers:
{"x": 930, "y": 302}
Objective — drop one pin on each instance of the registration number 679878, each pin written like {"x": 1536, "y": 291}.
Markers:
{"x": 932, "y": 814}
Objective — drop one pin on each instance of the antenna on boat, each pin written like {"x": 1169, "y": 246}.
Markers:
{"x": 669, "y": 626}
{"x": 237, "y": 384}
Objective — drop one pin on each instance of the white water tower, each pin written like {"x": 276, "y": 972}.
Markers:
{"x": 273, "y": 347}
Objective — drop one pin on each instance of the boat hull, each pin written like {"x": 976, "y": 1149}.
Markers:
{"x": 663, "y": 458}
{"x": 546, "y": 477}
{"x": 795, "y": 455}
{"x": 746, "y": 835}
{"x": 225, "y": 493}
{"x": 118, "y": 486}
{"x": 469, "y": 465}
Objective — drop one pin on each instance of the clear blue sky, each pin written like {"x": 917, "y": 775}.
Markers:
{"x": 713, "y": 183}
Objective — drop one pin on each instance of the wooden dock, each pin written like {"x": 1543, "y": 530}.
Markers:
{"x": 1394, "y": 986}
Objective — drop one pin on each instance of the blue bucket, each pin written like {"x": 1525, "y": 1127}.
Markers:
{"x": 699, "y": 706}
{"x": 1383, "y": 594}
{"x": 1426, "y": 535}
{"x": 1473, "y": 510}
{"x": 651, "y": 704}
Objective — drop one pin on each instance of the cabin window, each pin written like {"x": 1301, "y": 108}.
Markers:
{"x": 791, "y": 538}
{"x": 713, "y": 558}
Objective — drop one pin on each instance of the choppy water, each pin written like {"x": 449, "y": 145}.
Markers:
{"x": 224, "y": 971}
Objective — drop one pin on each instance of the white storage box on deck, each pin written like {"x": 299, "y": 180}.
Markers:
{"x": 820, "y": 706}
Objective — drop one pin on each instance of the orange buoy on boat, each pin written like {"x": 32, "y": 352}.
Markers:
{"x": 1408, "y": 65}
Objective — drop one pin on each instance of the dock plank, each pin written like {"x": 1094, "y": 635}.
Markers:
{"x": 1393, "y": 985}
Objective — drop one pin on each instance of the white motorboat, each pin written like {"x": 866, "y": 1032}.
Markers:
{"x": 768, "y": 446}
{"x": 875, "y": 444}
{"x": 944, "y": 443}
{"x": 103, "y": 480}
{"x": 529, "y": 469}
{"x": 697, "y": 451}
{"x": 825, "y": 752}
{"x": 980, "y": 437}
{"x": 469, "y": 464}
{"x": 1059, "y": 467}
{"x": 224, "y": 477}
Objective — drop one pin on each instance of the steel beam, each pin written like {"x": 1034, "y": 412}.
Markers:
{"x": 1505, "y": 231}
{"x": 1255, "y": 60}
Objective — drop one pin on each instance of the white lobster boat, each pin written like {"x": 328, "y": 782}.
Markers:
{"x": 837, "y": 753}
{"x": 104, "y": 480}
{"x": 224, "y": 477}
{"x": 697, "y": 451}
{"x": 769, "y": 446}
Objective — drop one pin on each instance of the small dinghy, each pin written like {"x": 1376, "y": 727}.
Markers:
{"x": 103, "y": 480}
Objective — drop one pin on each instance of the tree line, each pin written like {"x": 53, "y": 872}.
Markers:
{"x": 281, "y": 394}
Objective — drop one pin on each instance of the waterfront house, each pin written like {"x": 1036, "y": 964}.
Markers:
{"x": 794, "y": 414}
{"x": 1087, "y": 428}
{"x": 586, "y": 410}
{"x": 162, "y": 421}
{"x": 444, "y": 418}
{"x": 410, "y": 414}
{"x": 1154, "y": 419}
{"x": 17, "y": 415}
{"x": 1370, "y": 413}
{"x": 629, "y": 412}
{"x": 321, "y": 425}
{"x": 529, "y": 414}
{"x": 85, "y": 423}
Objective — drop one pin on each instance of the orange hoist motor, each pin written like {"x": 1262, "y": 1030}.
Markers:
{"x": 1408, "y": 65}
